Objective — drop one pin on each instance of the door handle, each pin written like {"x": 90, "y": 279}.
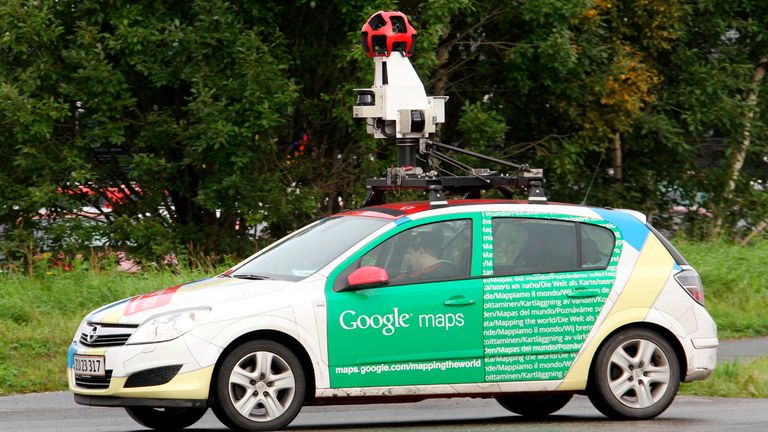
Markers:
{"x": 459, "y": 301}
{"x": 584, "y": 293}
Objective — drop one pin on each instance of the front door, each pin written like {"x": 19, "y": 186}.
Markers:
{"x": 425, "y": 325}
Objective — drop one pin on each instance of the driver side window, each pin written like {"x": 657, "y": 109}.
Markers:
{"x": 426, "y": 253}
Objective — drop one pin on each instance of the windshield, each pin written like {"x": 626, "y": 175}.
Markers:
{"x": 310, "y": 250}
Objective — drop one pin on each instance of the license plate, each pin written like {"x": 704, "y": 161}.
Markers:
{"x": 89, "y": 365}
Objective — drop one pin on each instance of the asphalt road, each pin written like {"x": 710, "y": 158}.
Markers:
{"x": 741, "y": 350}
{"x": 49, "y": 412}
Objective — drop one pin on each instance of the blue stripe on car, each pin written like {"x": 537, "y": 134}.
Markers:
{"x": 633, "y": 231}
{"x": 71, "y": 355}
{"x": 111, "y": 305}
{"x": 402, "y": 220}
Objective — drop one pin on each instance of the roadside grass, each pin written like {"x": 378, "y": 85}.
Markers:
{"x": 746, "y": 380}
{"x": 735, "y": 282}
{"x": 39, "y": 315}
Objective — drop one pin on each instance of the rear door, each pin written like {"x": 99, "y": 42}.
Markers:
{"x": 545, "y": 283}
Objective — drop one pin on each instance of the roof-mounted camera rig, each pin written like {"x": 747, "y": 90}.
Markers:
{"x": 397, "y": 107}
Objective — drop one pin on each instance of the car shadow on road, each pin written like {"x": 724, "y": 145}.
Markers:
{"x": 489, "y": 423}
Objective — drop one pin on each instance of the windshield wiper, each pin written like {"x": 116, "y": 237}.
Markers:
{"x": 250, "y": 276}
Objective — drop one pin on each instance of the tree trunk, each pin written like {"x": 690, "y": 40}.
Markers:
{"x": 740, "y": 150}
{"x": 755, "y": 232}
{"x": 441, "y": 75}
{"x": 618, "y": 174}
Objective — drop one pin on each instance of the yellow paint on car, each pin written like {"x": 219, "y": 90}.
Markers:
{"x": 648, "y": 278}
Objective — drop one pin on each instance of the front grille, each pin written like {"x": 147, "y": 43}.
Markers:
{"x": 94, "y": 383}
{"x": 152, "y": 377}
{"x": 105, "y": 341}
{"x": 106, "y": 335}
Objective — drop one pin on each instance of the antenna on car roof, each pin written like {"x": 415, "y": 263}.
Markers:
{"x": 586, "y": 195}
{"x": 398, "y": 107}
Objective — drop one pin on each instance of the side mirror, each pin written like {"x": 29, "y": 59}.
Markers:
{"x": 368, "y": 277}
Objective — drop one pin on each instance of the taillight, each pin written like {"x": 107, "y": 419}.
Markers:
{"x": 691, "y": 282}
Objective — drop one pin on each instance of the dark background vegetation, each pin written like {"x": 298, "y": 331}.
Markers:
{"x": 194, "y": 123}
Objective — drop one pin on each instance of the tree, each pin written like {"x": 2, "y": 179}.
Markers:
{"x": 179, "y": 104}
{"x": 736, "y": 35}
{"x": 566, "y": 81}
{"x": 197, "y": 122}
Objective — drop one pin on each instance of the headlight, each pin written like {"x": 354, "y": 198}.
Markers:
{"x": 168, "y": 326}
{"x": 80, "y": 329}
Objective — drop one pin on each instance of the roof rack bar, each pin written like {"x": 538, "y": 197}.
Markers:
{"x": 523, "y": 167}
{"x": 454, "y": 162}
{"x": 531, "y": 181}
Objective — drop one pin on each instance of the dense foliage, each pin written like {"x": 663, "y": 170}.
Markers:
{"x": 188, "y": 127}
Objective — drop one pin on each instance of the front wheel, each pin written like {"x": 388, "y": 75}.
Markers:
{"x": 635, "y": 376}
{"x": 534, "y": 405}
{"x": 165, "y": 419}
{"x": 259, "y": 386}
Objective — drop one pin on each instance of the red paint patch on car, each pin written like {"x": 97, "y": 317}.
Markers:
{"x": 150, "y": 301}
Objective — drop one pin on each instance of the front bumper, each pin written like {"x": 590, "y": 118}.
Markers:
{"x": 112, "y": 401}
{"x": 191, "y": 382}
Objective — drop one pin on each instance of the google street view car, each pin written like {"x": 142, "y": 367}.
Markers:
{"x": 528, "y": 302}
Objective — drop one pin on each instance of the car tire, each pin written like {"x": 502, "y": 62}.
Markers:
{"x": 259, "y": 386}
{"x": 534, "y": 406}
{"x": 166, "y": 419}
{"x": 635, "y": 375}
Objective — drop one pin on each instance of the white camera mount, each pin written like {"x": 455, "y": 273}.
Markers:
{"x": 397, "y": 107}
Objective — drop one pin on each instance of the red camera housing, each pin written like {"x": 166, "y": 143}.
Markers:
{"x": 388, "y": 32}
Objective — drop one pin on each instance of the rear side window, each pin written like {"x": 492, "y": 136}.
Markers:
{"x": 596, "y": 246}
{"x": 524, "y": 246}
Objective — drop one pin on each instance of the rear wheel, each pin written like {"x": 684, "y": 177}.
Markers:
{"x": 165, "y": 419}
{"x": 534, "y": 405}
{"x": 635, "y": 375}
{"x": 260, "y": 386}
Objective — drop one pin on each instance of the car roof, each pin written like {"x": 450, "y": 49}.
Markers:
{"x": 399, "y": 209}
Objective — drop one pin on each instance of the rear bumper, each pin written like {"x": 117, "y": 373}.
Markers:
{"x": 704, "y": 343}
{"x": 702, "y": 358}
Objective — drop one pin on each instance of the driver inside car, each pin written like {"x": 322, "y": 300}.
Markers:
{"x": 423, "y": 258}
